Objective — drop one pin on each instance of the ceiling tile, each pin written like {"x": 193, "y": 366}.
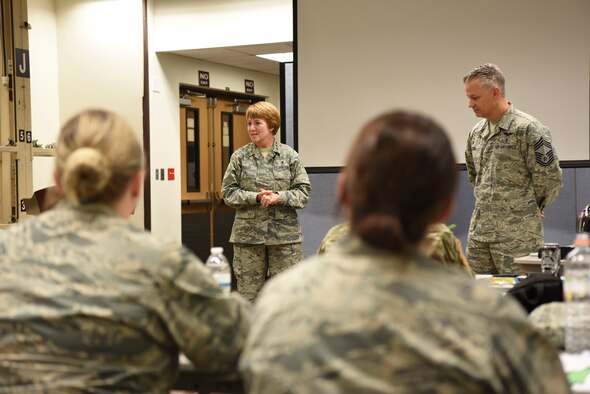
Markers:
{"x": 243, "y": 56}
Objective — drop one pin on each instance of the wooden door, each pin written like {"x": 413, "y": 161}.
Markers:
{"x": 211, "y": 130}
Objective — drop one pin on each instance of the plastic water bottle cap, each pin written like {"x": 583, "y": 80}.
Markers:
{"x": 216, "y": 250}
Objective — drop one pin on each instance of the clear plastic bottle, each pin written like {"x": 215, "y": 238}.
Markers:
{"x": 576, "y": 294}
{"x": 219, "y": 268}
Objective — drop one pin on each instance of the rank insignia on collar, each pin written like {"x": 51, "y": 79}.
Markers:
{"x": 544, "y": 152}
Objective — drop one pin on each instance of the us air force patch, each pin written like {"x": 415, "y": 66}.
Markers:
{"x": 544, "y": 152}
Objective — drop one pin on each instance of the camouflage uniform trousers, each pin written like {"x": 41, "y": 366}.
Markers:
{"x": 491, "y": 257}
{"x": 253, "y": 264}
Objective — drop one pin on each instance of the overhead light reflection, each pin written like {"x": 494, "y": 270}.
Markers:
{"x": 283, "y": 57}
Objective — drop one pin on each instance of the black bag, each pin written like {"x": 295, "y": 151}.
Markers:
{"x": 537, "y": 289}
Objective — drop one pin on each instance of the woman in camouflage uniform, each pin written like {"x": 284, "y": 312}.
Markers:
{"x": 265, "y": 182}
{"x": 375, "y": 315}
{"x": 91, "y": 303}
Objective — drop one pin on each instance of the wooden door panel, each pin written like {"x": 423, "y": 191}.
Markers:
{"x": 213, "y": 131}
{"x": 230, "y": 134}
{"x": 193, "y": 150}
{"x": 240, "y": 131}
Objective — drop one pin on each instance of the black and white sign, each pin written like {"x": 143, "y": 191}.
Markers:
{"x": 249, "y": 85}
{"x": 22, "y": 63}
{"x": 203, "y": 78}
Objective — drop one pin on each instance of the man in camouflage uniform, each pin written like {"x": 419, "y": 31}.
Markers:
{"x": 362, "y": 320}
{"x": 265, "y": 182}
{"x": 439, "y": 243}
{"x": 513, "y": 168}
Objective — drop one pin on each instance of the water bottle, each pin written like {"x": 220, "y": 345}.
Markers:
{"x": 219, "y": 268}
{"x": 576, "y": 294}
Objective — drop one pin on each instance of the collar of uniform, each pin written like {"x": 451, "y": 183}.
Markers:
{"x": 506, "y": 119}
{"x": 253, "y": 150}
{"x": 352, "y": 244}
{"x": 503, "y": 123}
{"x": 275, "y": 146}
{"x": 480, "y": 126}
{"x": 91, "y": 209}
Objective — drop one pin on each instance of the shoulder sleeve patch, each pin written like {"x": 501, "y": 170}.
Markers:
{"x": 544, "y": 152}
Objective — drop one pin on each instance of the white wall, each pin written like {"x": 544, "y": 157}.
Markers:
{"x": 382, "y": 54}
{"x": 179, "y": 24}
{"x": 85, "y": 54}
{"x": 44, "y": 85}
{"x": 168, "y": 72}
{"x": 182, "y": 24}
{"x": 94, "y": 58}
{"x": 100, "y": 51}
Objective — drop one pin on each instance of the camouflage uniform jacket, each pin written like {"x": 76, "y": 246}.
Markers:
{"x": 282, "y": 172}
{"x": 515, "y": 174}
{"x": 362, "y": 320}
{"x": 90, "y": 303}
{"x": 439, "y": 244}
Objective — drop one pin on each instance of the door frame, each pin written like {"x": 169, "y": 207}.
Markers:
{"x": 211, "y": 105}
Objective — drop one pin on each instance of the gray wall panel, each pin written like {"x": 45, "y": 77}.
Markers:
{"x": 560, "y": 217}
{"x": 464, "y": 203}
{"x": 582, "y": 188}
{"x": 321, "y": 212}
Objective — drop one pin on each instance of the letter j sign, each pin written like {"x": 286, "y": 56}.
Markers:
{"x": 22, "y": 63}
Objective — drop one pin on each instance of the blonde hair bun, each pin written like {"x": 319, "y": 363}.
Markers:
{"x": 96, "y": 156}
{"x": 86, "y": 173}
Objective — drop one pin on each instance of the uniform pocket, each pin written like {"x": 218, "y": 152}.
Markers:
{"x": 245, "y": 213}
{"x": 285, "y": 213}
{"x": 282, "y": 176}
{"x": 248, "y": 181}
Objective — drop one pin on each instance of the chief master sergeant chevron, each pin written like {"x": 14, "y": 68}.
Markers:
{"x": 513, "y": 168}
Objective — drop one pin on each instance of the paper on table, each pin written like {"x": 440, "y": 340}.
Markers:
{"x": 577, "y": 368}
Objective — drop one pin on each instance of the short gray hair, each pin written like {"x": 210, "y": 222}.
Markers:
{"x": 489, "y": 76}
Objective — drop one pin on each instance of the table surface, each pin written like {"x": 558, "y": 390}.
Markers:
{"x": 532, "y": 258}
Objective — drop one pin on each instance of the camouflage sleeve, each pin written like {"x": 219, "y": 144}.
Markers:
{"x": 298, "y": 193}
{"x": 441, "y": 244}
{"x": 543, "y": 164}
{"x": 471, "y": 172}
{"x": 332, "y": 236}
{"x": 231, "y": 192}
{"x": 208, "y": 326}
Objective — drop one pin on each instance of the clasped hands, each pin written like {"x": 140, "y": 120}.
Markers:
{"x": 267, "y": 197}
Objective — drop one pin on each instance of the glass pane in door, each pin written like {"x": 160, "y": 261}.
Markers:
{"x": 226, "y": 139}
{"x": 193, "y": 171}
